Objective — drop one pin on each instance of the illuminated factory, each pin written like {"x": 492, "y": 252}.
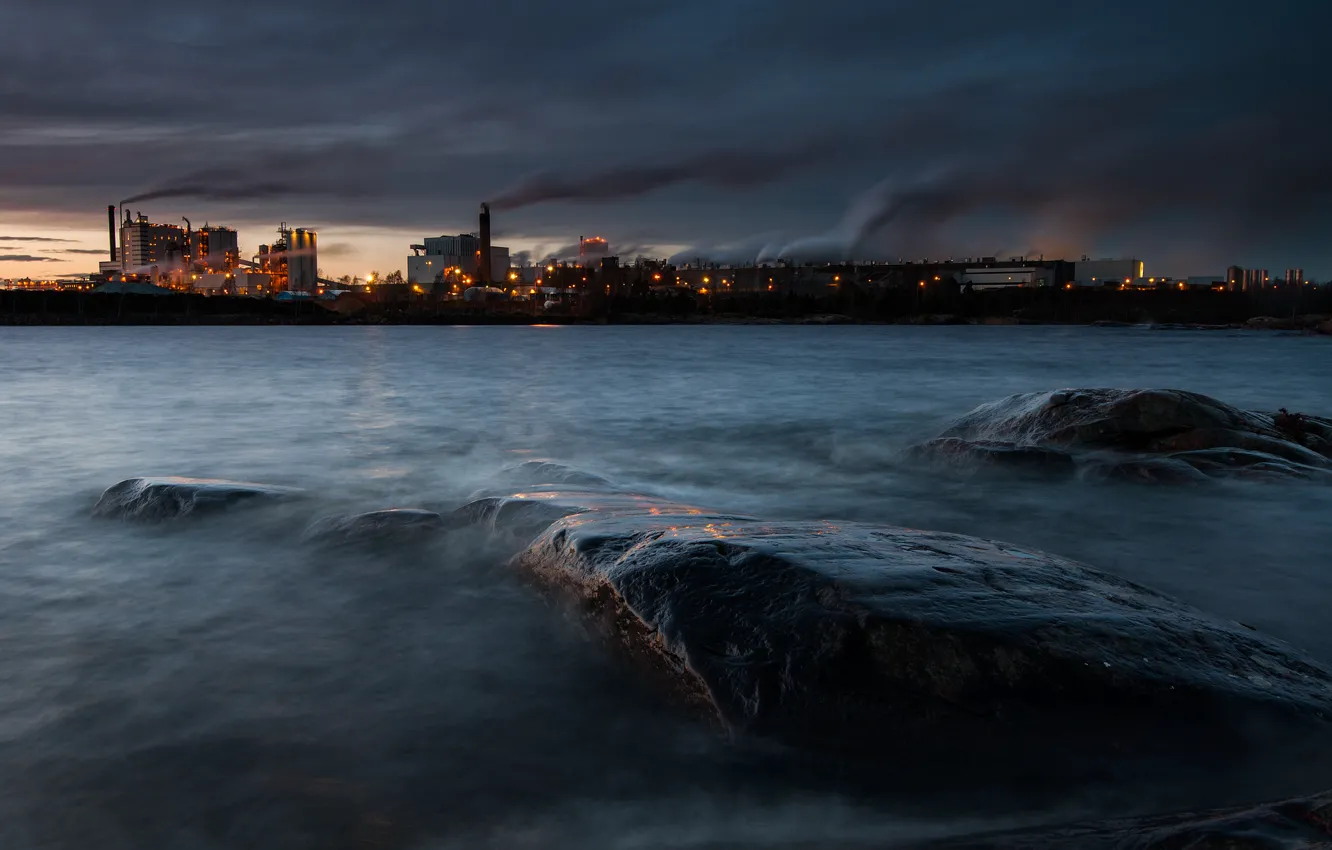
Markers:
{"x": 208, "y": 259}
{"x": 459, "y": 260}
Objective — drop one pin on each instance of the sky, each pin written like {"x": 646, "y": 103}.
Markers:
{"x": 1191, "y": 135}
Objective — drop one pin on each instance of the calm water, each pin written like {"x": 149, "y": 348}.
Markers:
{"x": 220, "y": 684}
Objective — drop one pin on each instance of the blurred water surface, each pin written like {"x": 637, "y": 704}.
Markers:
{"x": 221, "y": 684}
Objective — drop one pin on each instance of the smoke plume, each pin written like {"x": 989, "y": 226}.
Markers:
{"x": 234, "y": 192}
{"x": 729, "y": 168}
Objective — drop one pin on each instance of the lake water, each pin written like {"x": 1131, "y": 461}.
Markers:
{"x": 222, "y": 684}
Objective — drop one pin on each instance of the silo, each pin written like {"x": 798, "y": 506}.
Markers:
{"x": 302, "y": 261}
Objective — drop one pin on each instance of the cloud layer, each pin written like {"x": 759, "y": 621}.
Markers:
{"x": 1191, "y": 132}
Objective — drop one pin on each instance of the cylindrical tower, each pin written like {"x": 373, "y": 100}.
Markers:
{"x": 483, "y": 272}
{"x": 302, "y": 261}
{"x": 111, "y": 228}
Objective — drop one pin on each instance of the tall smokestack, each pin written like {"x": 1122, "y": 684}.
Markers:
{"x": 483, "y": 267}
{"x": 111, "y": 227}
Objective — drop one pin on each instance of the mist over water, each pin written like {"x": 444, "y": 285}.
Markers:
{"x": 221, "y": 683}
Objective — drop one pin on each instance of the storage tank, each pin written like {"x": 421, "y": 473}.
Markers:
{"x": 302, "y": 261}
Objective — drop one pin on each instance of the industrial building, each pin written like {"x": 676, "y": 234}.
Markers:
{"x": 1087, "y": 272}
{"x": 145, "y": 245}
{"x": 468, "y": 256}
{"x": 1246, "y": 280}
{"x": 291, "y": 263}
{"x": 592, "y": 248}
{"x": 208, "y": 259}
{"x": 214, "y": 248}
{"x": 996, "y": 277}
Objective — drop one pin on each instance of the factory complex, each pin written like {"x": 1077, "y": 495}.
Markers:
{"x": 152, "y": 257}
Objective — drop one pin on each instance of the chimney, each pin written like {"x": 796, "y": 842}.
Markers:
{"x": 483, "y": 267}
{"x": 111, "y": 226}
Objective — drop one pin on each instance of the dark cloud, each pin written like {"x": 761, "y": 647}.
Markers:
{"x": 1192, "y": 130}
{"x": 88, "y": 251}
{"x": 25, "y": 258}
{"x": 31, "y": 239}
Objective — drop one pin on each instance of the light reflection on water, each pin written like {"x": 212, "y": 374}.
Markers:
{"x": 220, "y": 684}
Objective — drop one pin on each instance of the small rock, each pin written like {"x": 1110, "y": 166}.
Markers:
{"x": 156, "y": 499}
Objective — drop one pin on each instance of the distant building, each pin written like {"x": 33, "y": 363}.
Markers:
{"x": 302, "y": 261}
{"x": 144, "y": 244}
{"x": 1235, "y": 279}
{"x": 1294, "y": 277}
{"x": 1256, "y": 279}
{"x": 1105, "y": 272}
{"x": 994, "y": 278}
{"x": 436, "y": 256}
{"x": 252, "y": 283}
{"x": 592, "y": 248}
{"x": 214, "y": 248}
{"x": 212, "y": 283}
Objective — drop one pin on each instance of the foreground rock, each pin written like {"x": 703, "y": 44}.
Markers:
{"x": 950, "y": 654}
{"x": 1300, "y": 824}
{"x": 156, "y": 499}
{"x": 396, "y": 523}
{"x": 1137, "y": 435}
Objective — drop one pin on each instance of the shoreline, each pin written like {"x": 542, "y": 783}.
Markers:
{"x": 1303, "y": 325}
{"x": 1158, "y": 310}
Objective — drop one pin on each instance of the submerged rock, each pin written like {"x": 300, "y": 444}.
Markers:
{"x": 1152, "y": 470}
{"x": 1151, "y": 436}
{"x": 1299, "y": 824}
{"x": 545, "y": 472}
{"x": 993, "y": 454}
{"x": 525, "y": 515}
{"x": 1103, "y": 418}
{"x": 172, "y": 497}
{"x": 950, "y": 654}
{"x": 394, "y": 522}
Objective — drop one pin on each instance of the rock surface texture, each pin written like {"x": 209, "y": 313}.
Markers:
{"x": 1150, "y": 436}
{"x": 157, "y": 499}
{"x": 941, "y": 650}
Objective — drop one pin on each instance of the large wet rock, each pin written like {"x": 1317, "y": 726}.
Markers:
{"x": 948, "y": 654}
{"x": 1136, "y": 435}
{"x": 156, "y": 499}
{"x": 1300, "y": 824}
